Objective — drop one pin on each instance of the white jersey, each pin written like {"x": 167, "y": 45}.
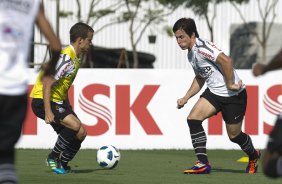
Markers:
{"x": 16, "y": 27}
{"x": 202, "y": 57}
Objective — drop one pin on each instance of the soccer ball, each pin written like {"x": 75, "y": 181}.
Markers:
{"x": 108, "y": 157}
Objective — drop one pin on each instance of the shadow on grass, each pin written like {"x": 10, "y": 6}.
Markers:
{"x": 228, "y": 170}
{"x": 77, "y": 171}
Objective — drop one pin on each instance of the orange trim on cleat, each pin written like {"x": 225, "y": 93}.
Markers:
{"x": 252, "y": 166}
{"x": 199, "y": 168}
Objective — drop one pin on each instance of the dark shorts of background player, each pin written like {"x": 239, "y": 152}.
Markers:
{"x": 12, "y": 114}
{"x": 232, "y": 108}
{"x": 60, "y": 111}
{"x": 275, "y": 137}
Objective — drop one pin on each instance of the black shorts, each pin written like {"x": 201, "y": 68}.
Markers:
{"x": 12, "y": 114}
{"x": 232, "y": 108}
{"x": 60, "y": 111}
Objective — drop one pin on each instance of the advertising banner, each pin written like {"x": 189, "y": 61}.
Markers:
{"x": 136, "y": 109}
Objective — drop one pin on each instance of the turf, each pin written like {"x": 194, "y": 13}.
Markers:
{"x": 139, "y": 167}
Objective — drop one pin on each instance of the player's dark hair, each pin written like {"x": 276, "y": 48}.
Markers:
{"x": 79, "y": 30}
{"x": 186, "y": 24}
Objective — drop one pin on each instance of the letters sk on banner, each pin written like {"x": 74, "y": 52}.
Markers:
{"x": 145, "y": 118}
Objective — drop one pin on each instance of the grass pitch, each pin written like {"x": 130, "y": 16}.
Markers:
{"x": 139, "y": 167}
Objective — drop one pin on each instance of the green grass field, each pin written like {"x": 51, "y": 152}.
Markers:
{"x": 139, "y": 167}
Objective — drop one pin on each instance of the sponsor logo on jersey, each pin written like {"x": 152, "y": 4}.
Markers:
{"x": 205, "y": 72}
{"x": 206, "y": 55}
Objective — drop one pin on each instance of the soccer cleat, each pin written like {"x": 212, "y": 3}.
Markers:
{"x": 199, "y": 168}
{"x": 51, "y": 162}
{"x": 252, "y": 166}
{"x": 60, "y": 169}
{"x": 56, "y": 166}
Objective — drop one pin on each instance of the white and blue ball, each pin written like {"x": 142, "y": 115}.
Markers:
{"x": 108, "y": 157}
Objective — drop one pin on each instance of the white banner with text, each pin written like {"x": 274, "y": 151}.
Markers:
{"x": 136, "y": 109}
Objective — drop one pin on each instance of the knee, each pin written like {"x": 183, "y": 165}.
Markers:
{"x": 76, "y": 126}
{"x": 236, "y": 137}
{"x": 81, "y": 134}
{"x": 71, "y": 122}
{"x": 233, "y": 135}
{"x": 191, "y": 117}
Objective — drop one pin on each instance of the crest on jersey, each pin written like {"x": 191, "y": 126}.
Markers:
{"x": 60, "y": 109}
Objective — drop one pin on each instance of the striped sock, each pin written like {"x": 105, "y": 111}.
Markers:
{"x": 8, "y": 174}
{"x": 199, "y": 139}
{"x": 60, "y": 145}
{"x": 70, "y": 152}
{"x": 246, "y": 144}
{"x": 65, "y": 138}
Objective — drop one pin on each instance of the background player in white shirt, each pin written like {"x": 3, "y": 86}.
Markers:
{"x": 16, "y": 25}
{"x": 225, "y": 93}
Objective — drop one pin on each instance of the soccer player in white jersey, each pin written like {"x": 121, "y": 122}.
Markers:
{"x": 272, "y": 159}
{"x": 225, "y": 93}
{"x": 16, "y": 25}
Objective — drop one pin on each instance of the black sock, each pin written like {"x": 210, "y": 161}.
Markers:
{"x": 7, "y": 156}
{"x": 64, "y": 141}
{"x": 245, "y": 142}
{"x": 70, "y": 152}
{"x": 199, "y": 139}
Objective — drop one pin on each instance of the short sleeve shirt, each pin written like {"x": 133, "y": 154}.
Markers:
{"x": 66, "y": 70}
{"x": 203, "y": 57}
{"x": 16, "y": 27}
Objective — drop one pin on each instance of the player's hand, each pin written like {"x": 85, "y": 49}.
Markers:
{"x": 49, "y": 117}
{"x": 181, "y": 102}
{"x": 258, "y": 69}
{"x": 236, "y": 87}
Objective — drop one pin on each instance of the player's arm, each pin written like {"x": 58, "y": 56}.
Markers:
{"x": 49, "y": 69}
{"x": 48, "y": 82}
{"x": 275, "y": 63}
{"x": 55, "y": 45}
{"x": 195, "y": 87}
{"x": 227, "y": 67}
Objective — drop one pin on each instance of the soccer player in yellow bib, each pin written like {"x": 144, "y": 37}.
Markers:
{"x": 50, "y": 100}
